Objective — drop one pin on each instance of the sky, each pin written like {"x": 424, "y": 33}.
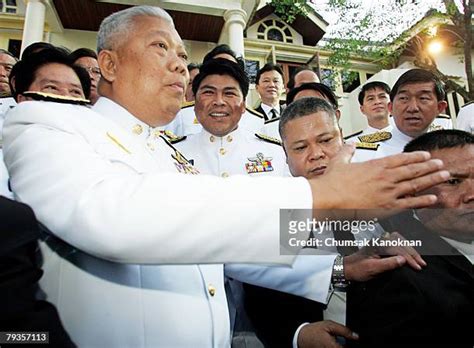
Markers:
{"x": 388, "y": 18}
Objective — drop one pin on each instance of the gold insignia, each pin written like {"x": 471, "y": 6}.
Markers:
{"x": 434, "y": 127}
{"x": 116, "y": 142}
{"x": 259, "y": 164}
{"x": 182, "y": 164}
{"x": 137, "y": 129}
{"x": 55, "y": 98}
{"x": 187, "y": 104}
{"x": 375, "y": 137}
{"x": 268, "y": 139}
{"x": 170, "y": 136}
{"x": 367, "y": 146}
{"x": 195, "y": 120}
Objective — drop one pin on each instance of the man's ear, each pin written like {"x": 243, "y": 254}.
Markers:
{"x": 442, "y": 105}
{"x": 21, "y": 98}
{"x": 390, "y": 107}
{"x": 108, "y": 61}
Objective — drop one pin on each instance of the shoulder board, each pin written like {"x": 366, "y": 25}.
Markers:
{"x": 447, "y": 117}
{"x": 375, "y": 137}
{"x": 469, "y": 103}
{"x": 353, "y": 135}
{"x": 268, "y": 139}
{"x": 187, "y": 104}
{"x": 272, "y": 120}
{"x": 254, "y": 112}
{"x": 55, "y": 98}
{"x": 367, "y": 146}
{"x": 171, "y": 137}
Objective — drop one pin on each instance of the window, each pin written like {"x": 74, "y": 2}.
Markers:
{"x": 274, "y": 30}
{"x": 8, "y": 6}
{"x": 350, "y": 81}
{"x": 14, "y": 47}
{"x": 251, "y": 68}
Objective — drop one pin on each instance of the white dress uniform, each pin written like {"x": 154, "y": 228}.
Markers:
{"x": 465, "y": 119}
{"x": 186, "y": 122}
{"x": 105, "y": 184}
{"x": 5, "y": 105}
{"x": 239, "y": 152}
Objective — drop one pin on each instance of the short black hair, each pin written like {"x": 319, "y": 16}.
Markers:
{"x": 193, "y": 66}
{"x": 291, "y": 82}
{"x": 82, "y": 52}
{"x": 36, "y": 47}
{"x": 224, "y": 49}
{"x": 370, "y": 86}
{"x": 27, "y": 68}
{"x": 319, "y": 87}
{"x": 303, "y": 107}
{"x": 418, "y": 76}
{"x": 268, "y": 67}
{"x": 440, "y": 139}
{"x": 222, "y": 66}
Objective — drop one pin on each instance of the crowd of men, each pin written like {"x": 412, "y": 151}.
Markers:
{"x": 160, "y": 198}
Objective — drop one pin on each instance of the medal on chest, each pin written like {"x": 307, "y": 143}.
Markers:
{"x": 259, "y": 164}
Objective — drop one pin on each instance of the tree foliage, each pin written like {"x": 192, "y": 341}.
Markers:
{"x": 374, "y": 33}
{"x": 287, "y": 10}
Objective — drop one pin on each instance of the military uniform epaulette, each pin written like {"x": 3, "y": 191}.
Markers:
{"x": 171, "y": 137}
{"x": 375, "y": 137}
{"x": 353, "y": 135}
{"x": 55, "y": 98}
{"x": 367, "y": 146}
{"x": 254, "y": 112}
{"x": 447, "y": 117}
{"x": 272, "y": 120}
{"x": 268, "y": 139}
{"x": 187, "y": 104}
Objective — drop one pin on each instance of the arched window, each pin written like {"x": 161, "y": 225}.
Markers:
{"x": 8, "y": 6}
{"x": 275, "y": 30}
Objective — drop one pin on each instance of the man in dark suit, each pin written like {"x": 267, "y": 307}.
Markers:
{"x": 270, "y": 87}
{"x": 435, "y": 306}
{"x": 19, "y": 274}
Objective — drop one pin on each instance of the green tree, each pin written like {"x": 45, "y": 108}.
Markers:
{"x": 362, "y": 25}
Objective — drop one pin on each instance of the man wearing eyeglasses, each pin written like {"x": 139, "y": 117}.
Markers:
{"x": 87, "y": 59}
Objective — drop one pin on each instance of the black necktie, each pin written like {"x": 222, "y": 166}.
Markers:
{"x": 273, "y": 114}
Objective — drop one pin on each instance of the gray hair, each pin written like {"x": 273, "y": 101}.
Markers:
{"x": 2, "y": 51}
{"x": 304, "y": 107}
{"x": 119, "y": 24}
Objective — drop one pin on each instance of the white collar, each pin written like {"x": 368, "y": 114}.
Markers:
{"x": 467, "y": 249}
{"x": 124, "y": 118}
{"x": 268, "y": 108}
{"x": 209, "y": 138}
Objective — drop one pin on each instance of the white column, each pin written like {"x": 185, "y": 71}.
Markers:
{"x": 34, "y": 23}
{"x": 235, "y": 24}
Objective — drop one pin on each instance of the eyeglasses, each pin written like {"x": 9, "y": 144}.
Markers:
{"x": 91, "y": 70}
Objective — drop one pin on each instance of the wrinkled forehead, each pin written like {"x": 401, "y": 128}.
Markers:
{"x": 7, "y": 59}
{"x": 417, "y": 87}
{"x": 144, "y": 26}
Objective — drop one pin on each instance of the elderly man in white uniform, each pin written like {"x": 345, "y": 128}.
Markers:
{"x": 117, "y": 202}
